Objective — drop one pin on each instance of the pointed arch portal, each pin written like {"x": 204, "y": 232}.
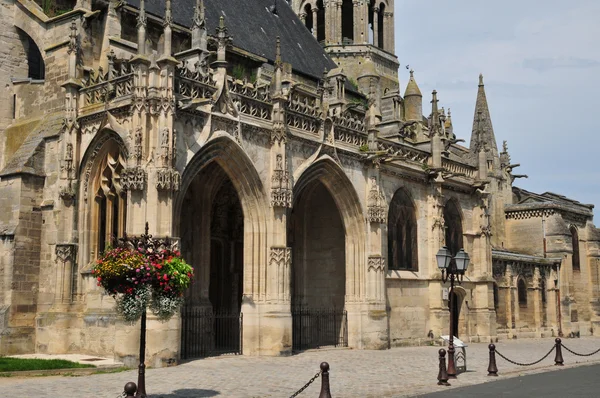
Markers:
{"x": 326, "y": 233}
{"x": 218, "y": 216}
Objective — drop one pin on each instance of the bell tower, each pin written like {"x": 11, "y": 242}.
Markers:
{"x": 355, "y": 33}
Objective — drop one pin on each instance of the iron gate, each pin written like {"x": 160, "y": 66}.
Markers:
{"x": 318, "y": 327}
{"x": 205, "y": 333}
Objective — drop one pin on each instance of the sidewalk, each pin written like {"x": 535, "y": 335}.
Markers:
{"x": 398, "y": 372}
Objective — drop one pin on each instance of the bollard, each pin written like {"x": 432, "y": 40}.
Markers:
{"x": 130, "y": 389}
{"x": 443, "y": 375}
{"x": 492, "y": 368}
{"x": 558, "y": 360}
{"x": 325, "y": 392}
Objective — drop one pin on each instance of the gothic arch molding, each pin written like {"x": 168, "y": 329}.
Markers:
{"x": 234, "y": 162}
{"x": 341, "y": 189}
{"x": 100, "y": 192}
{"x": 402, "y": 232}
{"x": 454, "y": 225}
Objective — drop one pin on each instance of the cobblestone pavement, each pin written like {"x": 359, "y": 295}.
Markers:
{"x": 398, "y": 372}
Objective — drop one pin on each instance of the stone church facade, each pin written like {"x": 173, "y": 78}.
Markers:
{"x": 273, "y": 141}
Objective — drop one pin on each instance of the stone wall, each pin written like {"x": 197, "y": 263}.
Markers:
{"x": 13, "y": 64}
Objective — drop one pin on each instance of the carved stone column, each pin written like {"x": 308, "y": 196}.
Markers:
{"x": 376, "y": 26}
{"x": 66, "y": 275}
{"x": 537, "y": 301}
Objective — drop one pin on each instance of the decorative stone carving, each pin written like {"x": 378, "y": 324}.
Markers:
{"x": 164, "y": 145}
{"x": 67, "y": 192}
{"x": 498, "y": 269}
{"x": 281, "y": 193}
{"x": 168, "y": 180}
{"x": 376, "y": 204}
{"x": 281, "y": 256}
{"x": 137, "y": 145}
{"x": 376, "y": 263}
{"x": 133, "y": 179}
{"x": 65, "y": 252}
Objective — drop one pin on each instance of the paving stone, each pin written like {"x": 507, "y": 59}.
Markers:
{"x": 397, "y": 372}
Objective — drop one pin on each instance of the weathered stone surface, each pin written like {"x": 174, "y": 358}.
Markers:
{"x": 276, "y": 184}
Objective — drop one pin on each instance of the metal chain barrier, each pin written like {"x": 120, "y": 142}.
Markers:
{"x": 526, "y": 364}
{"x": 315, "y": 377}
{"x": 581, "y": 355}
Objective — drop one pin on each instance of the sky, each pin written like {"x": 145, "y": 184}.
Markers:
{"x": 541, "y": 68}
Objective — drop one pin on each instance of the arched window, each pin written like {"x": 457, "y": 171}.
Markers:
{"x": 36, "y": 69}
{"x": 308, "y": 20}
{"x": 371, "y": 37}
{"x": 522, "y": 292}
{"x": 110, "y": 200}
{"x": 402, "y": 233}
{"x": 320, "y": 21}
{"x": 575, "y": 244}
{"x": 380, "y": 27}
{"x": 347, "y": 21}
{"x": 453, "y": 225}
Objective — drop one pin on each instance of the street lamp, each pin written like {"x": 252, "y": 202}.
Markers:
{"x": 453, "y": 269}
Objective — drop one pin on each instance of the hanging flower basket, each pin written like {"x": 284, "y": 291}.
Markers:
{"x": 143, "y": 273}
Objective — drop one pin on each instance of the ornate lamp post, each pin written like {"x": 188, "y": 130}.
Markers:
{"x": 454, "y": 270}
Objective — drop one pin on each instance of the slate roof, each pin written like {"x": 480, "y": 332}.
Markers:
{"x": 28, "y": 159}
{"x": 255, "y": 29}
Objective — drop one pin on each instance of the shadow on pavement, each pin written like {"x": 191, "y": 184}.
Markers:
{"x": 190, "y": 393}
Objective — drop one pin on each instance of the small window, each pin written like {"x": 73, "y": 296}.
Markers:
{"x": 496, "y": 297}
{"x": 574, "y": 316}
{"x": 37, "y": 68}
{"x": 522, "y": 293}
{"x": 575, "y": 244}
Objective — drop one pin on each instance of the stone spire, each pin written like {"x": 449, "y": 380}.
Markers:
{"x": 199, "y": 34}
{"x": 141, "y": 27}
{"x": 413, "y": 100}
{"x": 435, "y": 114}
{"x": 448, "y": 125}
{"x": 168, "y": 30}
{"x": 435, "y": 131}
{"x": 483, "y": 132}
{"x": 278, "y": 66}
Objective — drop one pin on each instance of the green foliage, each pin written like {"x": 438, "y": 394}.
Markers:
{"x": 54, "y": 8}
{"x": 360, "y": 102}
{"x": 353, "y": 83}
{"x": 239, "y": 72}
{"x": 20, "y": 364}
{"x": 364, "y": 148}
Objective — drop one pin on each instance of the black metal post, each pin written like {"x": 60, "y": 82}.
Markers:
{"x": 451, "y": 365}
{"x": 558, "y": 359}
{"x": 492, "y": 368}
{"x": 130, "y": 389}
{"x": 442, "y": 375}
{"x": 325, "y": 392}
{"x": 141, "y": 391}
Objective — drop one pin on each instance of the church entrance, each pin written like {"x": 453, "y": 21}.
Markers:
{"x": 454, "y": 304}
{"x": 317, "y": 237}
{"x": 212, "y": 225}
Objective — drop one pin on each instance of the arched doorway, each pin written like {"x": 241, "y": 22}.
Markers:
{"x": 219, "y": 216}
{"x": 454, "y": 305}
{"x": 211, "y": 323}
{"x": 316, "y": 235}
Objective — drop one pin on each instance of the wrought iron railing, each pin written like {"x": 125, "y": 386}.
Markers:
{"x": 319, "y": 327}
{"x": 206, "y": 333}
